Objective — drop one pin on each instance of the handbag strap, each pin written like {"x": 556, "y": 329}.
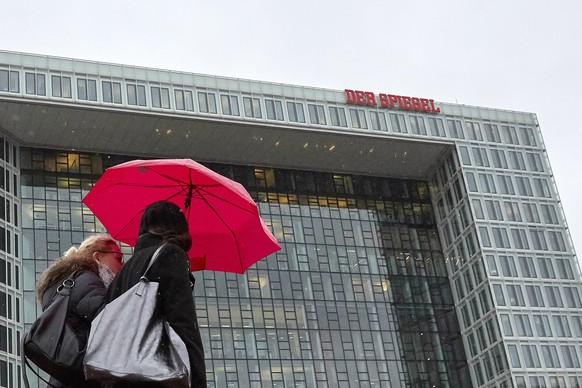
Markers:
{"x": 144, "y": 280}
{"x": 152, "y": 260}
{"x": 64, "y": 289}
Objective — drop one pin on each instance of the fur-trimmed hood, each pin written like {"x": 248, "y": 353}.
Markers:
{"x": 60, "y": 269}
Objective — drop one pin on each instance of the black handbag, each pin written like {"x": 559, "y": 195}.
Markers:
{"x": 52, "y": 344}
{"x": 129, "y": 341}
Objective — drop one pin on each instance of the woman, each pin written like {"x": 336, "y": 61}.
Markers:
{"x": 98, "y": 260}
{"x": 164, "y": 222}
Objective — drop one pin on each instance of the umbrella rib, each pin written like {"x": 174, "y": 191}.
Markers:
{"x": 201, "y": 190}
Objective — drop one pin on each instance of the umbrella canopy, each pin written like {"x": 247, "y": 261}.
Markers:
{"x": 227, "y": 232}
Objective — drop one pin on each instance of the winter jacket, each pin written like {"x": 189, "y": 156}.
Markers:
{"x": 176, "y": 303}
{"x": 85, "y": 301}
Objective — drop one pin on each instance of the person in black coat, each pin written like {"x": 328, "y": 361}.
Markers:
{"x": 164, "y": 222}
{"x": 97, "y": 259}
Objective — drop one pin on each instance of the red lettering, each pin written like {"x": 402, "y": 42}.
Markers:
{"x": 416, "y": 104}
{"x": 424, "y": 103}
{"x": 371, "y": 99}
{"x": 384, "y": 100}
{"x": 390, "y": 101}
{"x": 433, "y": 109}
{"x": 393, "y": 99}
{"x": 350, "y": 96}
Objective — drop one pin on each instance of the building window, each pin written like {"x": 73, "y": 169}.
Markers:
{"x": 549, "y": 214}
{"x": 9, "y": 81}
{"x": 554, "y": 297}
{"x": 531, "y": 212}
{"x": 557, "y": 241}
{"x": 417, "y": 125}
{"x": 474, "y": 131}
{"x": 492, "y": 133}
{"x": 252, "y": 106}
{"x": 398, "y": 123}
{"x": 274, "y": 110}
{"x": 358, "y": 118}
{"x": 338, "y": 116}
{"x": 509, "y": 134}
{"x": 295, "y": 111}
{"x": 551, "y": 359}
{"x": 542, "y": 188}
{"x": 527, "y": 136}
{"x": 35, "y": 84}
{"x": 485, "y": 240}
{"x": 535, "y": 162}
{"x": 505, "y": 184}
{"x": 499, "y": 160}
{"x": 465, "y": 158}
{"x": 572, "y": 297}
{"x": 569, "y": 356}
{"x": 184, "y": 100}
{"x": 229, "y": 105}
{"x": 526, "y": 264}
{"x": 378, "y": 121}
{"x": 499, "y": 297}
{"x": 494, "y": 210}
{"x": 515, "y": 295}
{"x": 542, "y": 323}
{"x": 523, "y": 325}
{"x": 524, "y": 186}
{"x": 436, "y": 127}
{"x": 516, "y": 159}
{"x": 508, "y": 267}
{"x": 546, "y": 268}
{"x": 562, "y": 326}
{"x": 161, "y": 97}
{"x": 487, "y": 183}
{"x": 480, "y": 156}
{"x": 538, "y": 239}
{"x": 86, "y": 89}
{"x": 455, "y": 129}
{"x": 61, "y": 86}
{"x": 501, "y": 237}
{"x": 136, "y": 94}
{"x": 111, "y": 92}
{"x": 471, "y": 182}
{"x": 519, "y": 239}
{"x": 316, "y": 114}
{"x": 207, "y": 102}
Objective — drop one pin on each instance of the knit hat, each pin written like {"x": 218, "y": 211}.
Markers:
{"x": 163, "y": 216}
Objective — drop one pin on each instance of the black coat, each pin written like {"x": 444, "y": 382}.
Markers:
{"x": 171, "y": 271}
{"x": 86, "y": 300}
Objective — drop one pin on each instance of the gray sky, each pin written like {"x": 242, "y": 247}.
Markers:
{"x": 516, "y": 55}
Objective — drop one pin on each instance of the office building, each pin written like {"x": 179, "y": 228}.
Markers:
{"x": 424, "y": 243}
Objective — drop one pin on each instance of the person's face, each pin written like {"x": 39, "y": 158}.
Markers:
{"x": 111, "y": 257}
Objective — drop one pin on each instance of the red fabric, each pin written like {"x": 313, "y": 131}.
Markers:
{"x": 227, "y": 232}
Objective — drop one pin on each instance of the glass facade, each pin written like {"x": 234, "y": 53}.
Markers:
{"x": 11, "y": 327}
{"x": 358, "y": 296}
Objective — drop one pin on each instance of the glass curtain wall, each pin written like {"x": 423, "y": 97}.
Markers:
{"x": 358, "y": 296}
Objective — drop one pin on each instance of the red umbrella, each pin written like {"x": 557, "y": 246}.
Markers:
{"x": 227, "y": 232}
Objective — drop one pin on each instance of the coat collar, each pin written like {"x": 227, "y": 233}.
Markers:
{"x": 147, "y": 240}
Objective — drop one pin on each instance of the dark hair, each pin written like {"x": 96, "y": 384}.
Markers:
{"x": 166, "y": 220}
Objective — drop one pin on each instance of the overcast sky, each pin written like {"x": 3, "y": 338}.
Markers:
{"x": 516, "y": 55}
